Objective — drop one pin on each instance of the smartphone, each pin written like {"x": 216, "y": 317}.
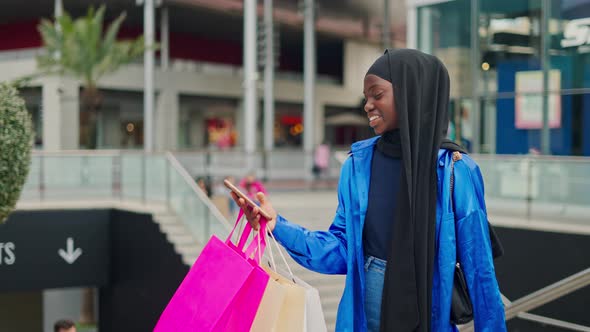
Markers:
{"x": 240, "y": 194}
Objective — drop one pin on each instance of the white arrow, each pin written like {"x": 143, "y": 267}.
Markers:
{"x": 71, "y": 255}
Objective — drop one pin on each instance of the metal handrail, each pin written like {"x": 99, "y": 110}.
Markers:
{"x": 553, "y": 322}
{"x": 543, "y": 296}
{"x": 200, "y": 194}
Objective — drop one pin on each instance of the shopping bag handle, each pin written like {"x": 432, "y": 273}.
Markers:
{"x": 281, "y": 254}
{"x": 258, "y": 244}
{"x": 231, "y": 234}
{"x": 245, "y": 234}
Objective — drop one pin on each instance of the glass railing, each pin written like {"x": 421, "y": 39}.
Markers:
{"x": 537, "y": 187}
{"x": 113, "y": 176}
{"x": 529, "y": 187}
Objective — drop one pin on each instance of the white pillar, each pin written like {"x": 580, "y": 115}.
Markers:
{"x": 51, "y": 114}
{"x": 148, "y": 65}
{"x": 250, "y": 100}
{"x": 309, "y": 72}
{"x": 411, "y": 25}
{"x": 269, "y": 110}
{"x": 386, "y": 33}
{"x": 70, "y": 114}
{"x": 165, "y": 39}
{"x": 58, "y": 8}
{"x": 167, "y": 119}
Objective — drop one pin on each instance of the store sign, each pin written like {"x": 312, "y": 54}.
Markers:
{"x": 576, "y": 33}
{"x": 529, "y": 99}
{"x": 53, "y": 249}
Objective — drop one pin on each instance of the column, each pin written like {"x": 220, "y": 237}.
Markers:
{"x": 70, "y": 114}
{"x": 250, "y": 78}
{"x": 148, "y": 65}
{"x": 167, "y": 119}
{"x": 386, "y": 33}
{"x": 309, "y": 72}
{"x": 269, "y": 109}
{"x": 164, "y": 39}
{"x": 51, "y": 114}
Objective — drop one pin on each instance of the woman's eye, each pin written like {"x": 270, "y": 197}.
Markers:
{"x": 378, "y": 96}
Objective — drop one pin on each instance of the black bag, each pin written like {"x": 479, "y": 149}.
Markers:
{"x": 461, "y": 307}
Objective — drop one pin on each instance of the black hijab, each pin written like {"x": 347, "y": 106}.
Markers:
{"x": 421, "y": 93}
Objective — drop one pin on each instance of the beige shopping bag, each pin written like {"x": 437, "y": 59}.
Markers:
{"x": 292, "y": 312}
{"x": 269, "y": 310}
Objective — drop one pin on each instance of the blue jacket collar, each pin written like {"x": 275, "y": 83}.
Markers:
{"x": 360, "y": 147}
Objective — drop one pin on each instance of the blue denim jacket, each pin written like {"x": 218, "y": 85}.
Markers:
{"x": 339, "y": 250}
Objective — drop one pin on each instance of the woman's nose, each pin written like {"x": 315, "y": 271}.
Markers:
{"x": 368, "y": 106}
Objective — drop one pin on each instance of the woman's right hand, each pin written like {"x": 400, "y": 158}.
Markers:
{"x": 253, "y": 214}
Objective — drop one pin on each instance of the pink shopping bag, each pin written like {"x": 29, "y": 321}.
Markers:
{"x": 222, "y": 290}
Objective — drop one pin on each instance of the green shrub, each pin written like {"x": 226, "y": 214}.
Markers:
{"x": 16, "y": 140}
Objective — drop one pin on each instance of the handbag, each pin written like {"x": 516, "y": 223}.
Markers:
{"x": 461, "y": 307}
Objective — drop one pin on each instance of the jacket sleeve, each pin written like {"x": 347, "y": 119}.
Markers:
{"x": 474, "y": 248}
{"x": 319, "y": 251}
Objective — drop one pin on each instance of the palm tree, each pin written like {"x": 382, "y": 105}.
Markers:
{"x": 80, "y": 48}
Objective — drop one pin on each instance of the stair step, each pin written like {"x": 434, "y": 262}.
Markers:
{"x": 173, "y": 228}
{"x": 189, "y": 259}
{"x": 180, "y": 239}
{"x": 188, "y": 249}
{"x": 166, "y": 219}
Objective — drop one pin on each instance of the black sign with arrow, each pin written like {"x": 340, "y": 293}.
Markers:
{"x": 52, "y": 249}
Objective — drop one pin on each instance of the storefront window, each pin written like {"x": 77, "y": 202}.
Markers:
{"x": 570, "y": 56}
{"x": 507, "y": 109}
{"x": 32, "y": 97}
{"x": 444, "y": 31}
{"x": 116, "y": 123}
{"x": 207, "y": 123}
{"x": 288, "y": 126}
{"x": 344, "y": 126}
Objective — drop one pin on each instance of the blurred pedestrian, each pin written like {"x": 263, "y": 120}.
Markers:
{"x": 252, "y": 186}
{"x": 64, "y": 325}
{"x": 232, "y": 205}
{"x": 204, "y": 184}
{"x": 400, "y": 226}
{"x": 321, "y": 160}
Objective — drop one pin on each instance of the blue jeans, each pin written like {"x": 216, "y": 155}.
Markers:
{"x": 374, "y": 274}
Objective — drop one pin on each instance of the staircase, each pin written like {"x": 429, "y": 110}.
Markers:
{"x": 179, "y": 235}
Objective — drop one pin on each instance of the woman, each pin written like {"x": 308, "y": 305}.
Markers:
{"x": 398, "y": 230}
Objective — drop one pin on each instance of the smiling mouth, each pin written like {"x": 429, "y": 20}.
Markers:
{"x": 373, "y": 120}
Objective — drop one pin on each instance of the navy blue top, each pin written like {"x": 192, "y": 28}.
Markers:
{"x": 383, "y": 192}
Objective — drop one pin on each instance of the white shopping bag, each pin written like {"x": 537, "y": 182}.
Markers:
{"x": 314, "y": 314}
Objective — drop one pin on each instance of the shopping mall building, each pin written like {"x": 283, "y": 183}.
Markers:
{"x": 199, "y": 80}
{"x": 498, "y": 53}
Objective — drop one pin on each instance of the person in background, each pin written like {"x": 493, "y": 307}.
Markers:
{"x": 233, "y": 206}
{"x": 252, "y": 186}
{"x": 400, "y": 226}
{"x": 321, "y": 159}
{"x": 204, "y": 185}
{"x": 64, "y": 325}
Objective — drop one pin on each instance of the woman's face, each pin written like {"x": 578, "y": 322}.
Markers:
{"x": 379, "y": 104}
